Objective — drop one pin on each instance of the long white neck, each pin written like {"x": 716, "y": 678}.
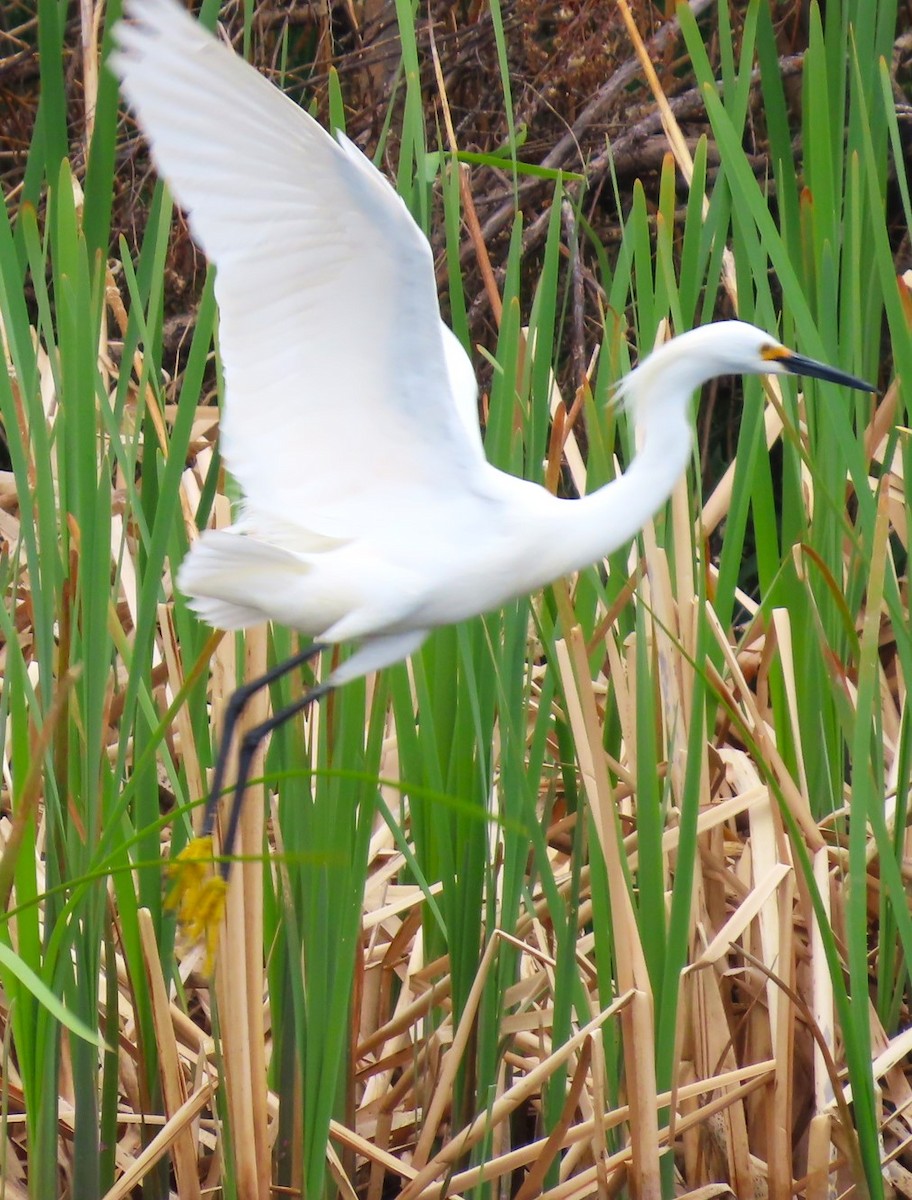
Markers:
{"x": 571, "y": 534}
{"x": 554, "y": 537}
{"x": 596, "y": 525}
{"x": 657, "y": 394}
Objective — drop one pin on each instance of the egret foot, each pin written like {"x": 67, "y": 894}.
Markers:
{"x": 197, "y": 895}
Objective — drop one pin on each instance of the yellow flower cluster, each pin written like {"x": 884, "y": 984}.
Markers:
{"x": 197, "y": 895}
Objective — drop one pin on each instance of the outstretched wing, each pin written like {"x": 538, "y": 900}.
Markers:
{"x": 344, "y": 403}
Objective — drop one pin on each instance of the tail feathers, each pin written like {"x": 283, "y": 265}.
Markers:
{"x": 226, "y": 574}
{"x": 223, "y": 614}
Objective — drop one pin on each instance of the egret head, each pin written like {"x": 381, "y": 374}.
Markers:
{"x": 676, "y": 369}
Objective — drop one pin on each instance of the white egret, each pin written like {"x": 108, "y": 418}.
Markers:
{"x": 370, "y": 513}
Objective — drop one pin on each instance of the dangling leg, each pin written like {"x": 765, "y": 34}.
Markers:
{"x": 237, "y": 702}
{"x": 250, "y": 742}
{"x": 196, "y": 893}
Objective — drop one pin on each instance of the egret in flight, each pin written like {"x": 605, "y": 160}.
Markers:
{"x": 370, "y": 512}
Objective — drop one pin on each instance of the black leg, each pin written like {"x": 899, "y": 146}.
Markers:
{"x": 236, "y": 706}
{"x": 248, "y": 748}
{"x": 197, "y": 893}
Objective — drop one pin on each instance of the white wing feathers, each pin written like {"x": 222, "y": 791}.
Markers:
{"x": 347, "y": 399}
